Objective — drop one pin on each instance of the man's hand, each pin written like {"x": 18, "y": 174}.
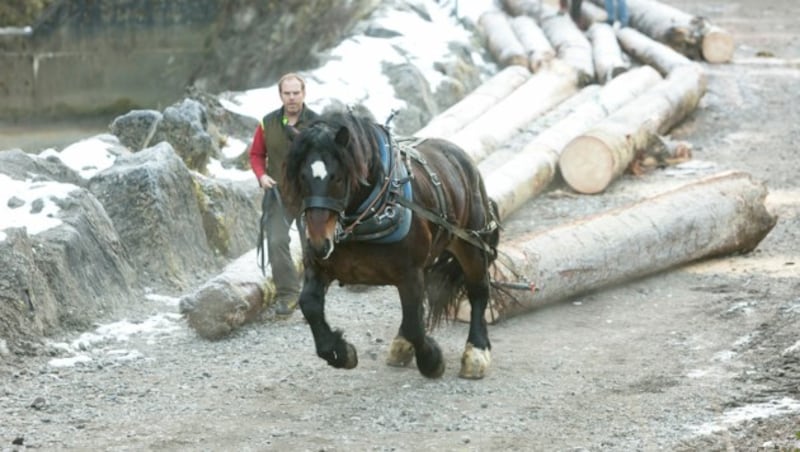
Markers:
{"x": 266, "y": 182}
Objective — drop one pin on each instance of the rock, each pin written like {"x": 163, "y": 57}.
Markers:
{"x": 22, "y": 166}
{"x": 136, "y": 128}
{"x": 153, "y": 201}
{"x": 185, "y": 127}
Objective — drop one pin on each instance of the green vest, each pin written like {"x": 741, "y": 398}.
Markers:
{"x": 276, "y": 138}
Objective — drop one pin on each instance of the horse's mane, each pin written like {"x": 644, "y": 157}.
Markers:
{"x": 350, "y": 139}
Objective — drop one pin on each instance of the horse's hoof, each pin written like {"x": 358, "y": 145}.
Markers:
{"x": 351, "y": 358}
{"x": 475, "y": 362}
{"x": 401, "y": 352}
{"x": 430, "y": 361}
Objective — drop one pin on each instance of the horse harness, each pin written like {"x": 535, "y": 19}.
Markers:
{"x": 385, "y": 216}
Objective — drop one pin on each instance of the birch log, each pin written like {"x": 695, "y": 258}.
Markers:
{"x": 718, "y": 215}
{"x": 606, "y": 53}
{"x": 649, "y": 51}
{"x": 572, "y": 46}
{"x": 538, "y": 94}
{"x": 590, "y": 162}
{"x": 693, "y": 36}
{"x": 501, "y": 40}
{"x": 537, "y": 47}
{"x": 532, "y": 170}
{"x": 486, "y": 95}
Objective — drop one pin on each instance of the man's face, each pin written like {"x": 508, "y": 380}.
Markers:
{"x": 292, "y": 96}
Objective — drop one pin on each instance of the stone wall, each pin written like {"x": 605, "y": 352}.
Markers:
{"x": 89, "y": 57}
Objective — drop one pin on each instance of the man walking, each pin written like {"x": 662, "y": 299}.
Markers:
{"x": 268, "y": 153}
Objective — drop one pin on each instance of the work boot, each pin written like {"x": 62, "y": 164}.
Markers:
{"x": 284, "y": 307}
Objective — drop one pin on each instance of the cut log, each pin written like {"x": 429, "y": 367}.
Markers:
{"x": 572, "y": 46}
{"x": 607, "y": 55}
{"x": 488, "y": 94}
{"x": 501, "y": 40}
{"x": 530, "y": 8}
{"x": 693, "y": 36}
{"x": 593, "y": 14}
{"x": 239, "y": 295}
{"x": 538, "y": 94}
{"x": 531, "y": 171}
{"x": 538, "y": 48}
{"x": 719, "y": 215}
{"x": 649, "y": 51}
{"x": 510, "y": 149}
{"x": 590, "y": 162}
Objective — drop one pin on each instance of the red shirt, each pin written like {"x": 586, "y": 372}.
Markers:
{"x": 258, "y": 153}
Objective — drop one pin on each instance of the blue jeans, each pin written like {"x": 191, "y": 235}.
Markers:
{"x": 617, "y": 10}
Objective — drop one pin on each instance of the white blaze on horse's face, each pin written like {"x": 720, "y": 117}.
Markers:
{"x": 319, "y": 170}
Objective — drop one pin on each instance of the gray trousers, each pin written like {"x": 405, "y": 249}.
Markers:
{"x": 284, "y": 272}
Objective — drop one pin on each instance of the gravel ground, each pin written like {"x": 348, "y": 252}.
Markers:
{"x": 703, "y": 357}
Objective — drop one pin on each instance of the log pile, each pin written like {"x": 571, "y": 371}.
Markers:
{"x": 693, "y": 36}
{"x": 590, "y": 162}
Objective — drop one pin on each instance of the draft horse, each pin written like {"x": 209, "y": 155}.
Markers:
{"x": 416, "y": 217}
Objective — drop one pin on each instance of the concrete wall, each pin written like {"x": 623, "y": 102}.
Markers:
{"x": 87, "y": 57}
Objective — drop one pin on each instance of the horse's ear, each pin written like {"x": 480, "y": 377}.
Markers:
{"x": 343, "y": 136}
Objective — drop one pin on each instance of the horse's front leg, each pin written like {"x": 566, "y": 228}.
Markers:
{"x": 477, "y": 356}
{"x": 411, "y": 340}
{"x": 330, "y": 345}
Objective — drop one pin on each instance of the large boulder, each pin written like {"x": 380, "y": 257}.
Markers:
{"x": 183, "y": 125}
{"x": 151, "y": 198}
{"x": 62, "y": 265}
{"x": 230, "y": 211}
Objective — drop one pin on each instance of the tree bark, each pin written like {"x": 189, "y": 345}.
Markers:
{"x": 239, "y": 295}
{"x": 531, "y": 8}
{"x": 649, "y": 51}
{"x": 537, "y": 47}
{"x": 590, "y": 162}
{"x": 531, "y": 171}
{"x": 592, "y": 14}
{"x": 473, "y": 104}
{"x": 572, "y": 46}
{"x": 693, "y": 36}
{"x": 606, "y": 53}
{"x": 541, "y": 92}
{"x": 718, "y": 215}
{"x": 501, "y": 40}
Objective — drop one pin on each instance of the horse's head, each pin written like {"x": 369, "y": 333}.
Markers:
{"x": 326, "y": 169}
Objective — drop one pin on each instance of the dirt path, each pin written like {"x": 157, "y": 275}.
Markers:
{"x": 692, "y": 359}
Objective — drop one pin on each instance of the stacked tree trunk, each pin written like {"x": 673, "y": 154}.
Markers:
{"x": 541, "y": 92}
{"x": 606, "y": 52}
{"x": 693, "y": 36}
{"x": 488, "y": 94}
{"x": 572, "y": 46}
{"x": 590, "y": 162}
{"x": 531, "y": 170}
{"x": 535, "y": 43}
{"x": 503, "y": 44}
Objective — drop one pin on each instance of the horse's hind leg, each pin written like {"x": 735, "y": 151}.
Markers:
{"x": 411, "y": 340}
{"x": 477, "y": 356}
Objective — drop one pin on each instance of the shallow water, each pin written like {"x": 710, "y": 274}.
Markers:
{"x": 35, "y": 136}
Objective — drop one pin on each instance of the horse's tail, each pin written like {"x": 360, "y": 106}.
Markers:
{"x": 444, "y": 287}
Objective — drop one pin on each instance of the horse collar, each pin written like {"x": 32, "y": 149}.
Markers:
{"x": 380, "y": 218}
